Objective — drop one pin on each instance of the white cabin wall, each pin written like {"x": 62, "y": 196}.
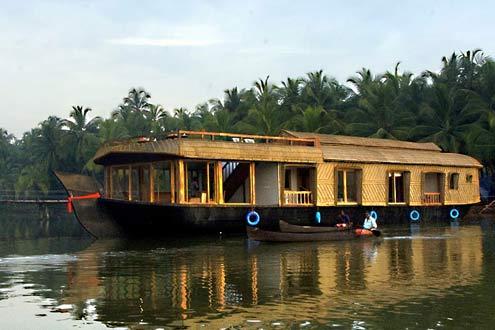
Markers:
{"x": 267, "y": 184}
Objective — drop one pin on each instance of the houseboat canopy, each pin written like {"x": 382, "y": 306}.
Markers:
{"x": 371, "y": 150}
{"x": 291, "y": 147}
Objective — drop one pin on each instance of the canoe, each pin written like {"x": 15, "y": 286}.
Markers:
{"x": 290, "y": 228}
{"x": 257, "y": 234}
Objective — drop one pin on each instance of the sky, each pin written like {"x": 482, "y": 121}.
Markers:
{"x": 56, "y": 54}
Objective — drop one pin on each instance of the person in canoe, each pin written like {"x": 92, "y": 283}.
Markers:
{"x": 369, "y": 222}
{"x": 343, "y": 220}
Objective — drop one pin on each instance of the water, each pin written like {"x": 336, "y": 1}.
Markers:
{"x": 415, "y": 278}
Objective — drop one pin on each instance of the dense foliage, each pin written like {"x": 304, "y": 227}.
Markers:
{"x": 454, "y": 108}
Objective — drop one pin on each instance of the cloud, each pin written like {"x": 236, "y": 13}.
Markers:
{"x": 166, "y": 42}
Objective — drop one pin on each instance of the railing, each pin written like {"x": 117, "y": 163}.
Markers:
{"x": 247, "y": 138}
{"x": 228, "y": 168}
{"x": 298, "y": 197}
{"x": 431, "y": 198}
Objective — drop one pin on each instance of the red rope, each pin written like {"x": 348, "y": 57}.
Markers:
{"x": 70, "y": 206}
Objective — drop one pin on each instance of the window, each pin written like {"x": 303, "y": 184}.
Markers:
{"x": 200, "y": 182}
{"x": 120, "y": 182}
{"x": 347, "y": 186}
{"x": 162, "y": 185}
{"x": 454, "y": 181}
{"x": 140, "y": 183}
{"x": 469, "y": 178}
{"x": 396, "y": 187}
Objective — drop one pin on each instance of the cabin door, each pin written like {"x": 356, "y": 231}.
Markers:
{"x": 396, "y": 187}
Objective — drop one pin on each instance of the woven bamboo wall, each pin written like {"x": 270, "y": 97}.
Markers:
{"x": 375, "y": 183}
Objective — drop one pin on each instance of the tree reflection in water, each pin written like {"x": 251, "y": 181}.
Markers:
{"x": 228, "y": 281}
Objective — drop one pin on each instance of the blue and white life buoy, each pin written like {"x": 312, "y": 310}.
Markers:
{"x": 253, "y": 218}
{"x": 318, "y": 217}
{"x": 374, "y": 215}
{"x": 414, "y": 215}
{"x": 454, "y": 213}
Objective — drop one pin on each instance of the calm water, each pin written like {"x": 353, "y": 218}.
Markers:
{"x": 440, "y": 277}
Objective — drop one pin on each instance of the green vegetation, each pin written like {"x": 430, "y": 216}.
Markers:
{"x": 454, "y": 108}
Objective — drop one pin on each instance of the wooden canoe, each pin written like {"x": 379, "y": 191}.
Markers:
{"x": 257, "y": 234}
{"x": 290, "y": 228}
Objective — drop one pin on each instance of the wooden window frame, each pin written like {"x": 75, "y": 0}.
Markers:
{"x": 171, "y": 167}
{"x": 456, "y": 185}
{"x": 185, "y": 182}
{"x": 406, "y": 192}
{"x": 359, "y": 185}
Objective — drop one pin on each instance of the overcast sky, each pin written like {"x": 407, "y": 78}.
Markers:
{"x": 55, "y": 54}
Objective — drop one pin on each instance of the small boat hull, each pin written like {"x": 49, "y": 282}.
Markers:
{"x": 257, "y": 234}
{"x": 286, "y": 227}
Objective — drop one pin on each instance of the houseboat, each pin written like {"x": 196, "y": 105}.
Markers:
{"x": 216, "y": 182}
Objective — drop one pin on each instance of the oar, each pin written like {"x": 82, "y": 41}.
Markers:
{"x": 376, "y": 232}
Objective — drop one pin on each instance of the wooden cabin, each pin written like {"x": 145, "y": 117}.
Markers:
{"x": 294, "y": 169}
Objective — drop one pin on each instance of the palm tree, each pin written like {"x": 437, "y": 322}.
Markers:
{"x": 6, "y": 140}
{"x": 132, "y": 112}
{"x": 321, "y": 90}
{"x": 137, "y": 100}
{"x": 83, "y": 133}
{"x": 185, "y": 120}
{"x": 289, "y": 96}
{"x": 111, "y": 129}
{"x": 48, "y": 147}
{"x": 317, "y": 120}
{"x": 154, "y": 116}
{"x": 264, "y": 117}
{"x": 447, "y": 120}
{"x": 377, "y": 114}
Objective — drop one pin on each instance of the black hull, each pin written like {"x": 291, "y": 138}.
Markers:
{"x": 144, "y": 219}
{"x": 117, "y": 218}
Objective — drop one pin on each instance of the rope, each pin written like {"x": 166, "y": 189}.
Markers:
{"x": 70, "y": 206}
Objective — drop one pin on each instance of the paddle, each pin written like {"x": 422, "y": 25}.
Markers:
{"x": 376, "y": 232}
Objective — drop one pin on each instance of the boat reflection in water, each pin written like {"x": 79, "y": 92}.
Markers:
{"x": 234, "y": 281}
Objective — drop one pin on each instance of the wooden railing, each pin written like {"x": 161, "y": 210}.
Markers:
{"x": 298, "y": 197}
{"x": 228, "y": 168}
{"x": 431, "y": 198}
{"x": 247, "y": 138}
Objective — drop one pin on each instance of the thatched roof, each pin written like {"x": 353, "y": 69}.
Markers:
{"x": 331, "y": 148}
{"x": 364, "y": 154}
{"x": 371, "y": 150}
{"x": 328, "y": 139}
{"x": 133, "y": 151}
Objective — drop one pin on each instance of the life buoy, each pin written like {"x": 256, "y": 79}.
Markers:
{"x": 250, "y": 220}
{"x": 318, "y": 217}
{"x": 454, "y": 213}
{"x": 414, "y": 215}
{"x": 374, "y": 215}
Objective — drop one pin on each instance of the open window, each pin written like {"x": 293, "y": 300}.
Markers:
{"x": 348, "y": 186}
{"x": 432, "y": 184}
{"x": 200, "y": 181}
{"x": 398, "y": 184}
{"x": 119, "y": 187}
{"x": 298, "y": 185}
{"x": 454, "y": 181}
{"x": 140, "y": 183}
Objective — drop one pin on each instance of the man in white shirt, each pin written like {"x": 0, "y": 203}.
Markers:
{"x": 369, "y": 222}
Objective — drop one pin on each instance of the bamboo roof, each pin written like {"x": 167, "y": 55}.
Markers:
{"x": 363, "y": 154}
{"x": 328, "y": 139}
{"x": 295, "y": 147}
{"x": 133, "y": 151}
